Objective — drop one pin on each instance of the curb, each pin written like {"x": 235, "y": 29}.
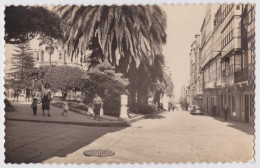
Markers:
{"x": 106, "y": 124}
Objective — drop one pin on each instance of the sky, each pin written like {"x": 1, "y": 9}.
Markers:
{"x": 183, "y": 22}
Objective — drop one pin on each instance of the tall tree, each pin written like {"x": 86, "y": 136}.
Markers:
{"x": 22, "y": 60}
{"x": 128, "y": 37}
{"x": 119, "y": 33}
{"x": 23, "y": 23}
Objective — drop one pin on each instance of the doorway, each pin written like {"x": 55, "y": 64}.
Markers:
{"x": 246, "y": 108}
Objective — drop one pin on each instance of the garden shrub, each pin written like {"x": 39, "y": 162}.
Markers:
{"x": 8, "y": 106}
{"x": 108, "y": 84}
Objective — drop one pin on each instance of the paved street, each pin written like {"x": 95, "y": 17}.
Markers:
{"x": 23, "y": 112}
{"x": 175, "y": 137}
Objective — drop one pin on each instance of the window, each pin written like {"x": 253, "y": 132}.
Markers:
{"x": 237, "y": 62}
{"x": 249, "y": 56}
{"x": 60, "y": 56}
{"x": 231, "y": 64}
{"x": 227, "y": 68}
{"x": 237, "y": 7}
{"x": 223, "y": 69}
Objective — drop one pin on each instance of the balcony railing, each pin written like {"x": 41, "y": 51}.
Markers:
{"x": 241, "y": 75}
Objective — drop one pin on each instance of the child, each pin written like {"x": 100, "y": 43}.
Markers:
{"x": 34, "y": 105}
{"x": 65, "y": 107}
{"x": 90, "y": 109}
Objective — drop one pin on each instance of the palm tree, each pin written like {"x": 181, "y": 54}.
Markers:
{"x": 50, "y": 45}
{"x": 128, "y": 37}
{"x": 133, "y": 32}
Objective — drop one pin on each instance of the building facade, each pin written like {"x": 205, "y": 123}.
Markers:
{"x": 195, "y": 85}
{"x": 42, "y": 58}
{"x": 227, "y": 60}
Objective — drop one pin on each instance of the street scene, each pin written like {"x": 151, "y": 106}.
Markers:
{"x": 129, "y": 84}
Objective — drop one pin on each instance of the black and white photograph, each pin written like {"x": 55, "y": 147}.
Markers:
{"x": 103, "y": 84}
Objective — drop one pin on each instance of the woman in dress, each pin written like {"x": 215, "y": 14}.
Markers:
{"x": 46, "y": 98}
{"x": 97, "y": 102}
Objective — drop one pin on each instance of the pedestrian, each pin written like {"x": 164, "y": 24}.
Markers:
{"x": 33, "y": 93}
{"x": 16, "y": 94}
{"x": 214, "y": 110}
{"x": 46, "y": 99}
{"x": 6, "y": 93}
{"x": 226, "y": 111}
{"x": 173, "y": 107}
{"x": 11, "y": 93}
{"x": 65, "y": 107}
{"x": 194, "y": 109}
{"x": 27, "y": 93}
{"x": 34, "y": 105}
{"x": 90, "y": 110}
{"x": 97, "y": 102}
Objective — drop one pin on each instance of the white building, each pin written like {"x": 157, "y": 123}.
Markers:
{"x": 59, "y": 57}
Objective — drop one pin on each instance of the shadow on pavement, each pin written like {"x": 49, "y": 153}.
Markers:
{"x": 241, "y": 126}
{"x": 29, "y": 142}
{"x": 154, "y": 116}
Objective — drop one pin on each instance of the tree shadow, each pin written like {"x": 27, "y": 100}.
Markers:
{"x": 154, "y": 116}
{"x": 30, "y": 142}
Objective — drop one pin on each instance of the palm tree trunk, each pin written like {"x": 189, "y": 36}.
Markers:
{"x": 142, "y": 94}
{"x": 49, "y": 61}
{"x": 132, "y": 95}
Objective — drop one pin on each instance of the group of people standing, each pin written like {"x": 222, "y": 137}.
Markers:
{"x": 15, "y": 93}
{"x": 225, "y": 111}
{"x": 46, "y": 99}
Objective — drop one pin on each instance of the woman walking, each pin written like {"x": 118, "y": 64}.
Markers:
{"x": 97, "y": 102}
{"x": 46, "y": 98}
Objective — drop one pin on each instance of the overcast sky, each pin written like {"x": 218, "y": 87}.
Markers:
{"x": 183, "y": 22}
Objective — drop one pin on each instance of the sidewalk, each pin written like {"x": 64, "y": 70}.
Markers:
{"x": 23, "y": 112}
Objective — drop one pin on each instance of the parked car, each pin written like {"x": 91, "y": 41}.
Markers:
{"x": 197, "y": 110}
{"x": 190, "y": 108}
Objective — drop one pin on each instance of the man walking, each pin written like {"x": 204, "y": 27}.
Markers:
{"x": 16, "y": 94}
{"x": 226, "y": 111}
{"x": 214, "y": 110}
{"x": 27, "y": 92}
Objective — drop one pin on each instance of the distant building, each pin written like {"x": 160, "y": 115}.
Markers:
{"x": 227, "y": 60}
{"x": 195, "y": 85}
{"x": 58, "y": 58}
{"x": 185, "y": 93}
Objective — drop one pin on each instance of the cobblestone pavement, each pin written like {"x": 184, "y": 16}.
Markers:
{"x": 165, "y": 137}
